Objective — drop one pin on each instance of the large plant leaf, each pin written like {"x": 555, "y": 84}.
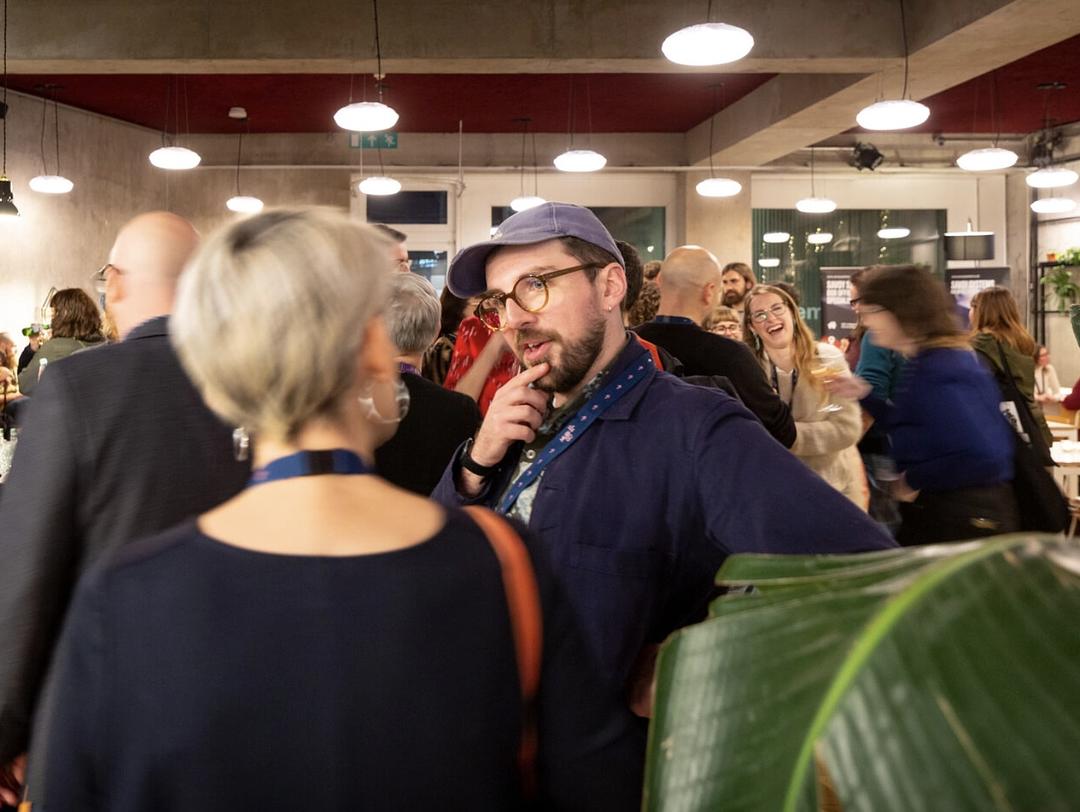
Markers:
{"x": 933, "y": 678}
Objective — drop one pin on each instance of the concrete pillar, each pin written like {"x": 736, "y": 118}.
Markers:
{"x": 1018, "y": 239}
{"x": 721, "y": 224}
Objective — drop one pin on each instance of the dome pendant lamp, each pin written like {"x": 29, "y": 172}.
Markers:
{"x": 525, "y": 201}
{"x": 895, "y": 114}
{"x": 713, "y": 186}
{"x": 241, "y": 203}
{"x": 814, "y": 204}
{"x": 381, "y": 185}
{"x": 989, "y": 159}
{"x": 365, "y": 116}
{"x": 45, "y": 183}
{"x": 579, "y": 160}
{"x": 707, "y": 43}
{"x": 168, "y": 155}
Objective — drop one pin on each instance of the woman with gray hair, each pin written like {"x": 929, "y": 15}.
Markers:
{"x": 323, "y": 639}
{"x": 439, "y": 420}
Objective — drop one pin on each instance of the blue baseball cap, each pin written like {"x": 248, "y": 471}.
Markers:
{"x": 468, "y": 275}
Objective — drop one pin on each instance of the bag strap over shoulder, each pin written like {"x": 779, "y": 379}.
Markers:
{"x": 526, "y": 621}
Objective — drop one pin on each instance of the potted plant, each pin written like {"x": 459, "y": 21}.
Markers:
{"x": 939, "y": 678}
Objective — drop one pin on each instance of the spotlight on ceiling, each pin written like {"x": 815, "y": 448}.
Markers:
{"x": 866, "y": 156}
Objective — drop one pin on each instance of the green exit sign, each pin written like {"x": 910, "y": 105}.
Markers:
{"x": 384, "y": 140}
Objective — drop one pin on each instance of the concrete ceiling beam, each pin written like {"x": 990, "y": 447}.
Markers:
{"x": 791, "y": 112}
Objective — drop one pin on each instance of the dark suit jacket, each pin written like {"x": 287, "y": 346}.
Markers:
{"x": 116, "y": 444}
{"x": 703, "y": 353}
{"x": 437, "y": 423}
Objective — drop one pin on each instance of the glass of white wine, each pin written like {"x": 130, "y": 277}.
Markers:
{"x": 829, "y": 369}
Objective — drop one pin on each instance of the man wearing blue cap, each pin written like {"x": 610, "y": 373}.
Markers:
{"x": 639, "y": 484}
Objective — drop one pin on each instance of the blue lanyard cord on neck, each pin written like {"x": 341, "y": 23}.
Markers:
{"x": 631, "y": 375}
{"x": 311, "y": 463}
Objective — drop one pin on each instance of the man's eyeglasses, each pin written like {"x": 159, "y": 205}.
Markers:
{"x": 777, "y": 310}
{"x": 530, "y": 293}
{"x": 101, "y": 275}
{"x": 855, "y": 301}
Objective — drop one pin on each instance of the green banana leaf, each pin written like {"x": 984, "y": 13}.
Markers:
{"x": 930, "y": 678}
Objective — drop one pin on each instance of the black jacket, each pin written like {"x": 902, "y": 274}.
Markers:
{"x": 437, "y": 423}
{"x": 704, "y": 353}
{"x": 116, "y": 444}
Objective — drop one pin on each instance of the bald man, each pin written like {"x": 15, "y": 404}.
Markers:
{"x": 117, "y": 444}
{"x": 690, "y": 286}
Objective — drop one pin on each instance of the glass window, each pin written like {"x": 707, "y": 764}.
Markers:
{"x": 431, "y": 265}
{"x": 641, "y": 226}
{"x": 408, "y": 208}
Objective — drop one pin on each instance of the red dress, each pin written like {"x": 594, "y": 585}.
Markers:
{"x": 472, "y": 336}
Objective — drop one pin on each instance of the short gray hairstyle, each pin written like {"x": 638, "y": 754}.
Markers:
{"x": 413, "y": 313}
{"x": 309, "y": 275}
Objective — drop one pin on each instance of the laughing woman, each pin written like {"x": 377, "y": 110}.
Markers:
{"x": 828, "y": 428}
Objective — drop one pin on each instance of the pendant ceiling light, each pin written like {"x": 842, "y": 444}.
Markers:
{"x": 381, "y": 185}
{"x": 1053, "y": 205}
{"x": 365, "y": 116}
{"x": 988, "y": 159}
{"x": 969, "y": 245}
{"x": 895, "y": 114}
{"x": 895, "y": 233}
{"x": 819, "y": 238}
{"x": 7, "y": 199}
{"x": 1051, "y": 177}
{"x": 580, "y": 160}
{"x": 525, "y": 201}
{"x": 769, "y": 262}
{"x": 814, "y": 204}
{"x": 707, "y": 43}
{"x": 713, "y": 186}
{"x": 47, "y": 183}
{"x": 775, "y": 237}
{"x": 1048, "y": 176}
{"x": 241, "y": 203}
{"x": 168, "y": 155}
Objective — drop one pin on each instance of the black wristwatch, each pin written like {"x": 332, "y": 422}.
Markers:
{"x": 469, "y": 464}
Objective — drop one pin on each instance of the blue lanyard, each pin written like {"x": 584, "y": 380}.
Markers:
{"x": 403, "y": 367}
{"x": 675, "y": 320}
{"x": 633, "y": 374}
{"x": 311, "y": 463}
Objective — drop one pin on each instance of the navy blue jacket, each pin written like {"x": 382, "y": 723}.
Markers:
{"x": 945, "y": 424}
{"x": 639, "y": 514}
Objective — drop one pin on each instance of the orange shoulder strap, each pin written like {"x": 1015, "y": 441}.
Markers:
{"x": 526, "y": 621}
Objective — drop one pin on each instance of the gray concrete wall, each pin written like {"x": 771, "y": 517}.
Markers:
{"x": 59, "y": 241}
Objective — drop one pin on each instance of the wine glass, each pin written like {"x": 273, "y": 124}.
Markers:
{"x": 829, "y": 369}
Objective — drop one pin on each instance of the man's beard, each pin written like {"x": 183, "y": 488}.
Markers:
{"x": 734, "y": 297}
{"x": 576, "y": 358}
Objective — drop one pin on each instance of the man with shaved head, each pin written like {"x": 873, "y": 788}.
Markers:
{"x": 117, "y": 444}
{"x": 690, "y": 284}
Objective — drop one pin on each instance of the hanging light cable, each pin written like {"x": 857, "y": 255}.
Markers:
{"x": 365, "y": 116}
{"x": 707, "y": 43}
{"x": 713, "y": 186}
{"x": 579, "y": 160}
{"x": 524, "y": 201}
{"x": 45, "y": 183}
{"x": 895, "y": 114}
{"x": 7, "y": 199}
{"x": 814, "y": 204}
{"x": 1048, "y": 176}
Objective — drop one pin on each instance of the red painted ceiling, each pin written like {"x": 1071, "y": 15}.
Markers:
{"x": 669, "y": 102}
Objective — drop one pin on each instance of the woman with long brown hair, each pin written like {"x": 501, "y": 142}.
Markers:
{"x": 952, "y": 448}
{"x": 998, "y": 335}
{"x": 76, "y": 325}
{"x": 827, "y": 429}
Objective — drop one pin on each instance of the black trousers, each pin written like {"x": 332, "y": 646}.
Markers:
{"x": 958, "y": 515}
